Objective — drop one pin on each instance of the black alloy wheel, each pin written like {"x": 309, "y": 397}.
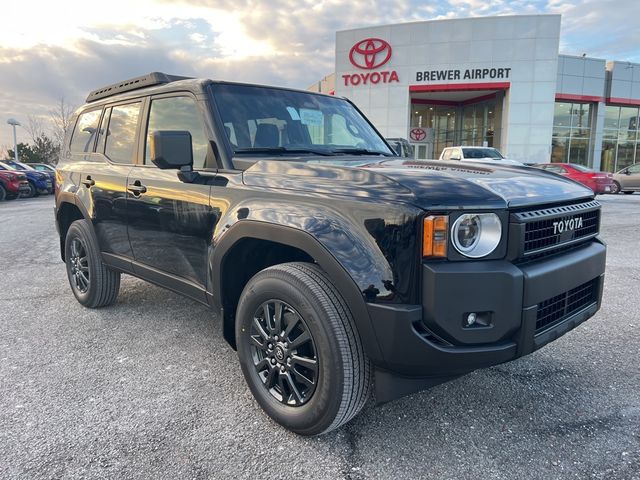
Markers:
{"x": 79, "y": 265}
{"x": 92, "y": 283}
{"x": 284, "y": 353}
{"x": 299, "y": 349}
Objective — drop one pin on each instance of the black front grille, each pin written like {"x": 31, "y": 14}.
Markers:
{"x": 555, "y": 309}
{"x": 545, "y": 233}
{"x": 551, "y": 228}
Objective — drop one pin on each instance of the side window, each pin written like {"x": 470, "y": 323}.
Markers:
{"x": 634, "y": 168}
{"x": 178, "y": 113}
{"x": 447, "y": 154}
{"x": 84, "y": 132}
{"x": 102, "y": 132}
{"x": 121, "y": 133}
{"x": 457, "y": 152}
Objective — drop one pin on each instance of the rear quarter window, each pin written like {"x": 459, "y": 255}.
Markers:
{"x": 84, "y": 132}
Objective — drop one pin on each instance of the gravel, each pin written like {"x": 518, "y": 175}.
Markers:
{"x": 147, "y": 388}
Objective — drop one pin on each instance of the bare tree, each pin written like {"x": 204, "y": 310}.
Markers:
{"x": 35, "y": 128}
{"x": 61, "y": 120}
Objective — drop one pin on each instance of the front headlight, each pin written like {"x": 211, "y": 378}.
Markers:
{"x": 476, "y": 235}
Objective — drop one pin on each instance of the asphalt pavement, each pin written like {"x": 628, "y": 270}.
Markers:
{"x": 147, "y": 388}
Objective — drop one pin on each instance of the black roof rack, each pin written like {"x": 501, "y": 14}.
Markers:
{"x": 148, "y": 80}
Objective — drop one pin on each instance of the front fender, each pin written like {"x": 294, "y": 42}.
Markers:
{"x": 369, "y": 253}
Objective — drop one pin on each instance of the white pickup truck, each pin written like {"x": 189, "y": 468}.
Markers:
{"x": 477, "y": 154}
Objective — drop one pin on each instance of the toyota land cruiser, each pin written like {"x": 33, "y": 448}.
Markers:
{"x": 329, "y": 261}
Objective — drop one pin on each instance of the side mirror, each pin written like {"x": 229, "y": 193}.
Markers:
{"x": 171, "y": 149}
{"x": 627, "y": 172}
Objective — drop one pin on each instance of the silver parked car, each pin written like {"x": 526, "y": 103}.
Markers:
{"x": 627, "y": 180}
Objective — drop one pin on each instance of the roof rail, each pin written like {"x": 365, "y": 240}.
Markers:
{"x": 148, "y": 80}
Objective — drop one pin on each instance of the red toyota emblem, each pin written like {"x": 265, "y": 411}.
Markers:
{"x": 370, "y": 53}
{"x": 417, "y": 134}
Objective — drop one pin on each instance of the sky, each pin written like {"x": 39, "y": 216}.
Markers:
{"x": 63, "y": 49}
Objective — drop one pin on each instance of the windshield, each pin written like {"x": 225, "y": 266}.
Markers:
{"x": 271, "y": 121}
{"x": 580, "y": 168}
{"x": 6, "y": 166}
{"x": 21, "y": 166}
{"x": 482, "y": 153}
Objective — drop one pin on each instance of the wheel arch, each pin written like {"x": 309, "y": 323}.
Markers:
{"x": 67, "y": 212}
{"x": 294, "y": 245}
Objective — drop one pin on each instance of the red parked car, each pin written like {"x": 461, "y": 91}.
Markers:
{"x": 12, "y": 184}
{"x": 599, "y": 182}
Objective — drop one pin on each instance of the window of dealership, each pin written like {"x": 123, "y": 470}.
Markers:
{"x": 620, "y": 140}
{"x": 452, "y": 124}
{"x": 571, "y": 133}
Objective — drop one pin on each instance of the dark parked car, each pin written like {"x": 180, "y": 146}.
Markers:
{"x": 402, "y": 147}
{"x": 627, "y": 180}
{"x": 599, "y": 182}
{"x": 28, "y": 167}
{"x": 329, "y": 261}
{"x": 39, "y": 183}
{"x": 12, "y": 185}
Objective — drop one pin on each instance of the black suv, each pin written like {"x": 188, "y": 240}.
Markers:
{"x": 330, "y": 261}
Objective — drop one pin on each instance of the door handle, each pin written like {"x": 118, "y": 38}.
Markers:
{"x": 137, "y": 188}
{"x": 88, "y": 182}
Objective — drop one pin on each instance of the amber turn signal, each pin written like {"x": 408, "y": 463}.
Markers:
{"x": 434, "y": 236}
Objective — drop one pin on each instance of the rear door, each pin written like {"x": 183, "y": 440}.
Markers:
{"x": 103, "y": 174}
{"x": 171, "y": 222}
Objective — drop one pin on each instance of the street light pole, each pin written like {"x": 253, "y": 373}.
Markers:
{"x": 15, "y": 123}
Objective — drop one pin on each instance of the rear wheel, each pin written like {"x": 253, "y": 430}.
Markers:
{"x": 3, "y": 193}
{"x": 93, "y": 284}
{"x": 615, "y": 188}
{"x": 299, "y": 349}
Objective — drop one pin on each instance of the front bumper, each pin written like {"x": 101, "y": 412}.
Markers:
{"x": 523, "y": 306}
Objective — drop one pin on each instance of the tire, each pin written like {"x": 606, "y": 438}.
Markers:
{"x": 93, "y": 284}
{"x": 615, "y": 189}
{"x": 33, "y": 191}
{"x": 3, "y": 193}
{"x": 310, "y": 302}
{"x": 11, "y": 197}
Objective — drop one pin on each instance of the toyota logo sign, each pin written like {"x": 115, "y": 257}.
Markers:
{"x": 370, "y": 53}
{"x": 417, "y": 134}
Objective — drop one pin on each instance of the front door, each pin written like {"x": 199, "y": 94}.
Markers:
{"x": 171, "y": 222}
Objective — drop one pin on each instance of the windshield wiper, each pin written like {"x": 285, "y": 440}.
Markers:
{"x": 360, "y": 151}
{"x": 283, "y": 150}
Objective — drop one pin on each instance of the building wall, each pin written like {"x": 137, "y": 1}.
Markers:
{"x": 525, "y": 44}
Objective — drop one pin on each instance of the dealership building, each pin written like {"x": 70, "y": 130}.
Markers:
{"x": 494, "y": 81}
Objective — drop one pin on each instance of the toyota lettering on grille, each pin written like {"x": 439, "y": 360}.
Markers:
{"x": 566, "y": 225}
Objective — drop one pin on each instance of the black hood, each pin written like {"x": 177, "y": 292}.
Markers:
{"x": 426, "y": 184}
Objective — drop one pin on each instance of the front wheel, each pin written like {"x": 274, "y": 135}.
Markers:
{"x": 33, "y": 191}
{"x": 299, "y": 349}
{"x": 93, "y": 284}
{"x": 3, "y": 193}
{"x": 615, "y": 188}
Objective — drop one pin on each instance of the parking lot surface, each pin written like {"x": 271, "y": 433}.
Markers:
{"x": 147, "y": 388}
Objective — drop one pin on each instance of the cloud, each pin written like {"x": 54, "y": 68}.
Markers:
{"x": 68, "y": 50}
